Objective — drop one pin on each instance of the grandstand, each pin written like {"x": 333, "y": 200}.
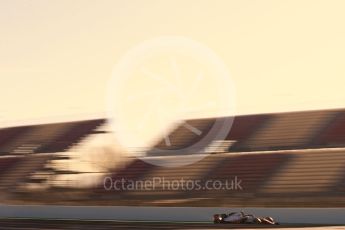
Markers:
{"x": 282, "y": 131}
{"x": 291, "y": 159}
{"x": 26, "y": 151}
{"x": 45, "y": 138}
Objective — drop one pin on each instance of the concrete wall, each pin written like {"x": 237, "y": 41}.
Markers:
{"x": 283, "y": 215}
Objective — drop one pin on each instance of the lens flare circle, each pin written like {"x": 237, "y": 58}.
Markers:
{"x": 125, "y": 84}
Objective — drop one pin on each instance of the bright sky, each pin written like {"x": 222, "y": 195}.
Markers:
{"x": 56, "y": 57}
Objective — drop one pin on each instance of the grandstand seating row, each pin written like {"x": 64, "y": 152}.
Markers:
{"x": 294, "y": 130}
{"x": 262, "y": 174}
{"x": 280, "y": 178}
{"x": 17, "y": 169}
{"x": 46, "y": 138}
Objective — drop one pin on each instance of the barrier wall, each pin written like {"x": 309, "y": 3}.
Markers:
{"x": 283, "y": 215}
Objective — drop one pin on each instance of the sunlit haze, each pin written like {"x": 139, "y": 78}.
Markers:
{"x": 57, "y": 56}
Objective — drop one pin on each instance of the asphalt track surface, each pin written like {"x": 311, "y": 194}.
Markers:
{"x": 9, "y": 224}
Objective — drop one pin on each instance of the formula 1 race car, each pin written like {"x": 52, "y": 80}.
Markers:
{"x": 242, "y": 218}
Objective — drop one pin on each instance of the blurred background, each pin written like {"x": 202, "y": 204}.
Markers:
{"x": 287, "y": 140}
{"x": 291, "y": 159}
